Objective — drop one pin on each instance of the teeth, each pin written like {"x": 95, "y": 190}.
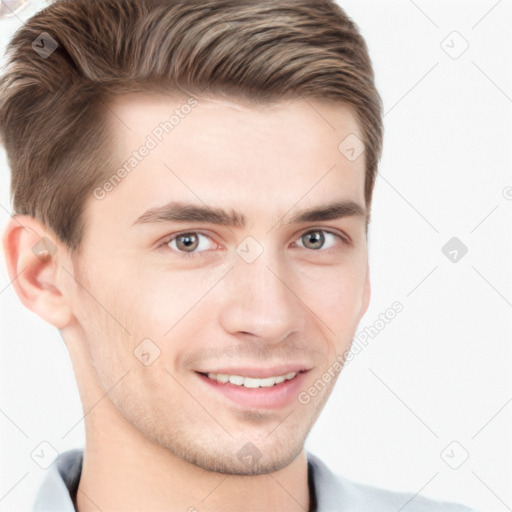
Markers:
{"x": 236, "y": 379}
{"x": 250, "y": 382}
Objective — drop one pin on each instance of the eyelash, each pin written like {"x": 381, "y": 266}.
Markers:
{"x": 182, "y": 254}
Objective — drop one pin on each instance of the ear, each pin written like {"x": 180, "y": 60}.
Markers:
{"x": 367, "y": 291}
{"x": 32, "y": 258}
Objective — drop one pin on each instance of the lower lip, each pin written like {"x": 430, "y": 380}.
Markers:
{"x": 276, "y": 397}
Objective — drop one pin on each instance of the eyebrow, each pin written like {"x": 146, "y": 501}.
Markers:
{"x": 184, "y": 212}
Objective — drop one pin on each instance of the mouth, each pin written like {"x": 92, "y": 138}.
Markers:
{"x": 251, "y": 382}
{"x": 249, "y": 392}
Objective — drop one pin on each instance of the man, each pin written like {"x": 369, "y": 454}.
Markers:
{"x": 192, "y": 185}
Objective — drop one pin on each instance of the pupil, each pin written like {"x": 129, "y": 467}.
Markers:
{"x": 188, "y": 241}
{"x": 315, "y": 240}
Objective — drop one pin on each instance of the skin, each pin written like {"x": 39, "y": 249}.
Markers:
{"x": 157, "y": 437}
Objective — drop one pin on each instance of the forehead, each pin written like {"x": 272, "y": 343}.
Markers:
{"x": 230, "y": 154}
{"x": 309, "y": 121}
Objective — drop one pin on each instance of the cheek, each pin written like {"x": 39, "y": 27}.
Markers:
{"x": 171, "y": 297}
{"x": 337, "y": 291}
{"x": 335, "y": 295}
{"x": 171, "y": 308}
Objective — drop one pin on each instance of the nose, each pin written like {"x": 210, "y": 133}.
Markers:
{"x": 259, "y": 299}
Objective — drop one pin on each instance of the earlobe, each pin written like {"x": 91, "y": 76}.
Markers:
{"x": 32, "y": 258}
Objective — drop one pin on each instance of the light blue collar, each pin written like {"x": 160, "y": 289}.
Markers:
{"x": 333, "y": 492}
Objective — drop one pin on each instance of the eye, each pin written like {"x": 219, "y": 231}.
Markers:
{"x": 191, "y": 242}
{"x": 316, "y": 239}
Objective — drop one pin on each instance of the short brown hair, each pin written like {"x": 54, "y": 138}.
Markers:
{"x": 53, "y": 109}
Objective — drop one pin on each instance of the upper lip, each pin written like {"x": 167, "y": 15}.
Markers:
{"x": 259, "y": 373}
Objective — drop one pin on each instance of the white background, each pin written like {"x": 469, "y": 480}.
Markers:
{"x": 440, "y": 371}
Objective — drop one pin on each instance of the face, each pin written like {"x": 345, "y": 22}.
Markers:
{"x": 234, "y": 246}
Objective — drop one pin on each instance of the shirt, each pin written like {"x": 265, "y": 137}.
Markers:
{"x": 329, "y": 492}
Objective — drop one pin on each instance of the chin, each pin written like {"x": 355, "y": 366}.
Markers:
{"x": 246, "y": 460}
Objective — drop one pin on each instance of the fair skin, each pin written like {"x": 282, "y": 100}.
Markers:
{"x": 161, "y": 436}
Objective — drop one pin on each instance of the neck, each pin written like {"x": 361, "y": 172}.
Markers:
{"x": 122, "y": 470}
